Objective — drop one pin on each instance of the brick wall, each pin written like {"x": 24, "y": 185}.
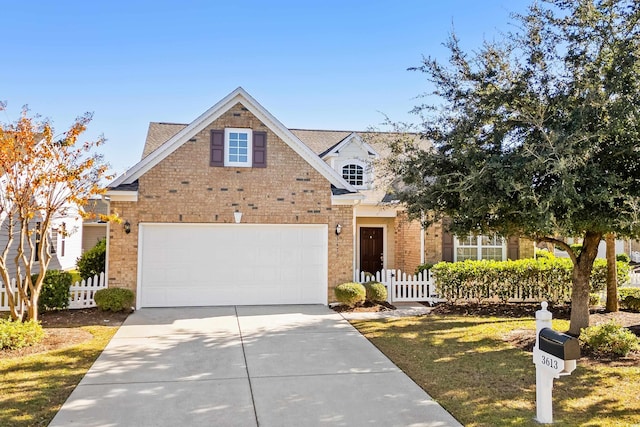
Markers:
{"x": 407, "y": 243}
{"x": 184, "y": 188}
{"x": 433, "y": 243}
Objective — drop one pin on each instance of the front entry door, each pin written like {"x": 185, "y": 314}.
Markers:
{"x": 371, "y": 250}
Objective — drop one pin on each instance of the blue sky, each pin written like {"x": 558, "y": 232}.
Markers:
{"x": 313, "y": 65}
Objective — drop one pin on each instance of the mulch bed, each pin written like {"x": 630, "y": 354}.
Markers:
{"x": 367, "y": 307}
{"x": 62, "y": 329}
{"x": 528, "y": 310}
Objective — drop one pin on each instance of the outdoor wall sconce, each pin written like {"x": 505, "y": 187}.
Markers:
{"x": 338, "y": 229}
{"x": 127, "y": 227}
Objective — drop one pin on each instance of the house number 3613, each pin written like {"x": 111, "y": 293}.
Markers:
{"x": 552, "y": 363}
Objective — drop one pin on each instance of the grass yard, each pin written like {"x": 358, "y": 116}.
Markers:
{"x": 464, "y": 363}
{"x": 34, "y": 387}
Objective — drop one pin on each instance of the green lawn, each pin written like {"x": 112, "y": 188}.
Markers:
{"x": 33, "y": 388}
{"x": 463, "y": 363}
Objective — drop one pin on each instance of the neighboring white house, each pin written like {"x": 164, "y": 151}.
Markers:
{"x": 93, "y": 229}
{"x": 65, "y": 238}
{"x": 622, "y": 247}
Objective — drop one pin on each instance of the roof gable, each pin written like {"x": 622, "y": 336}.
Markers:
{"x": 353, "y": 138}
{"x": 154, "y": 155}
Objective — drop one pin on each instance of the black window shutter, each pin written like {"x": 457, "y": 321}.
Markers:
{"x": 217, "y": 148}
{"x": 259, "y": 149}
{"x": 513, "y": 248}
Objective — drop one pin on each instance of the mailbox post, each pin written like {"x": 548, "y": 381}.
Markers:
{"x": 554, "y": 355}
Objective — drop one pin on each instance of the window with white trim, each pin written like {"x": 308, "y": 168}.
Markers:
{"x": 353, "y": 174}
{"x": 480, "y": 247}
{"x": 238, "y": 147}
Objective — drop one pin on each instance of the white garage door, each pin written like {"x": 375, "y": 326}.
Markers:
{"x": 231, "y": 264}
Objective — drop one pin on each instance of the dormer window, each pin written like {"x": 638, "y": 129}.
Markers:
{"x": 353, "y": 174}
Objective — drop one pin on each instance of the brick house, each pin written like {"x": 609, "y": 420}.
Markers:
{"x": 235, "y": 208}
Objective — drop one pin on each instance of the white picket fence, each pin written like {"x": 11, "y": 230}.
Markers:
{"x": 634, "y": 278}
{"x": 80, "y": 293}
{"x": 402, "y": 286}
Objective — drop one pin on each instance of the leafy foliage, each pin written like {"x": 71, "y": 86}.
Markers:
{"x": 625, "y": 292}
{"x": 114, "y": 299}
{"x": 535, "y": 135}
{"x": 55, "y": 290}
{"x": 350, "y": 294}
{"x": 631, "y": 302}
{"x": 543, "y": 253}
{"x": 423, "y": 267}
{"x": 92, "y": 262}
{"x": 375, "y": 291}
{"x": 623, "y": 258}
{"x": 14, "y": 335}
{"x": 542, "y": 279}
{"x": 45, "y": 177}
{"x": 594, "y": 299}
{"x": 609, "y": 339}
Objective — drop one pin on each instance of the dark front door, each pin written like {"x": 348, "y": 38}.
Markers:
{"x": 371, "y": 251}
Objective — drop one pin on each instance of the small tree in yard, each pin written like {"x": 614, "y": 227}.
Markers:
{"x": 42, "y": 177}
{"x": 536, "y": 135}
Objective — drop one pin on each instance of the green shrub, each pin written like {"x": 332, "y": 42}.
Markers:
{"x": 623, "y": 258}
{"x": 14, "y": 335}
{"x": 625, "y": 292}
{"x": 631, "y": 302}
{"x": 609, "y": 339}
{"x": 92, "y": 262}
{"x": 350, "y": 293}
{"x": 422, "y": 267}
{"x": 576, "y": 248}
{"x": 594, "y": 299}
{"x": 628, "y": 298}
{"x": 54, "y": 294}
{"x": 540, "y": 279}
{"x": 599, "y": 274}
{"x": 114, "y": 299}
{"x": 375, "y": 291}
{"x": 544, "y": 253}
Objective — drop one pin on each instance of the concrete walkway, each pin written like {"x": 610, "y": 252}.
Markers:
{"x": 245, "y": 366}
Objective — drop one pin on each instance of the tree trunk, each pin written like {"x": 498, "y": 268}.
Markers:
{"x": 580, "y": 289}
{"x": 612, "y": 276}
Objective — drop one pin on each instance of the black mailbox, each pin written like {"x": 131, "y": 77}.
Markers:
{"x": 560, "y": 345}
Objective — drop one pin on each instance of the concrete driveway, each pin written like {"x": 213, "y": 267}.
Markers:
{"x": 245, "y": 366}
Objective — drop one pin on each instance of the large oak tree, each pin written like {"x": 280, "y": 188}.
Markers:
{"x": 536, "y": 135}
{"x": 43, "y": 177}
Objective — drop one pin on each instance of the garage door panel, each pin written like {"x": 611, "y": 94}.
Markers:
{"x": 232, "y": 264}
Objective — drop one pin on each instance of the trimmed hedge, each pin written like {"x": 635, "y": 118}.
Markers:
{"x": 375, "y": 291}
{"x": 625, "y": 292}
{"x": 350, "y": 293}
{"x": 542, "y": 279}
{"x": 54, "y": 294}
{"x": 14, "y": 335}
{"x": 114, "y": 299}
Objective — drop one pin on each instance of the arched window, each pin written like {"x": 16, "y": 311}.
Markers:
{"x": 354, "y": 174}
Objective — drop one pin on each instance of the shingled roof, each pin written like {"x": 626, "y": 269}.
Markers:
{"x": 158, "y": 134}
{"x": 320, "y": 141}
